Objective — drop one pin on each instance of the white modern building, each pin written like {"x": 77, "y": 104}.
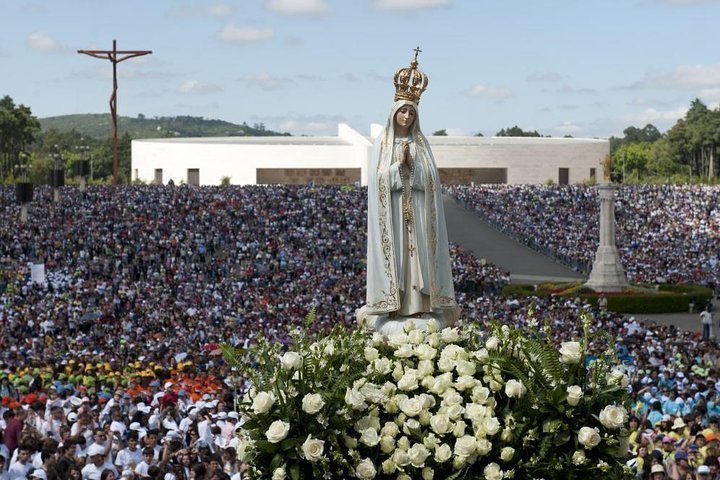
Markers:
{"x": 344, "y": 159}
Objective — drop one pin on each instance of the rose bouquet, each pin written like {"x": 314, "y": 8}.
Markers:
{"x": 428, "y": 404}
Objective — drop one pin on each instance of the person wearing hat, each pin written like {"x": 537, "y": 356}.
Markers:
{"x": 38, "y": 474}
{"x": 703, "y": 472}
{"x": 657, "y": 472}
{"x": 96, "y": 463}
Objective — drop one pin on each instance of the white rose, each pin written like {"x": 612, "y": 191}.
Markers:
{"x": 383, "y": 365}
{"x": 483, "y": 446}
{"x": 404, "y": 351}
{"x": 291, "y": 361}
{"x": 441, "y": 383}
{"x": 365, "y": 470}
{"x": 263, "y": 402}
{"x": 278, "y": 431}
{"x": 443, "y": 453}
{"x": 613, "y": 417}
{"x": 313, "y": 449}
{"x": 446, "y": 364}
{"x": 428, "y": 473}
{"x": 570, "y": 352}
{"x": 401, "y": 457}
{"x": 616, "y": 377}
{"x": 391, "y": 429}
{"x": 465, "y": 382}
{"x": 411, "y": 425}
{"x": 312, "y": 403}
{"x": 279, "y": 474}
{"x": 465, "y": 446}
{"x": 418, "y": 453}
{"x": 388, "y": 466}
{"x": 453, "y": 411}
{"x": 515, "y": 388}
{"x": 492, "y": 471}
{"x": 440, "y": 424}
{"x": 369, "y": 437}
{"x": 416, "y": 337}
{"x": 411, "y": 406}
{"x": 451, "y": 397}
{"x": 579, "y": 457}
{"x": 575, "y": 394}
{"x": 459, "y": 429}
{"x": 480, "y": 394}
{"x": 465, "y": 367}
{"x": 475, "y": 412}
{"x": 354, "y": 399}
{"x": 425, "y": 352}
{"x": 492, "y": 425}
{"x": 449, "y": 335}
{"x": 506, "y": 454}
{"x": 397, "y": 339}
{"x": 404, "y": 443}
{"x": 433, "y": 339}
{"x": 387, "y": 444}
{"x": 371, "y": 354}
{"x": 492, "y": 343}
{"x": 589, "y": 437}
{"x": 409, "y": 381}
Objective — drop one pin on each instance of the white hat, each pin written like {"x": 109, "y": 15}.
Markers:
{"x": 95, "y": 449}
{"x": 678, "y": 423}
{"x": 143, "y": 408}
{"x": 234, "y": 415}
{"x": 39, "y": 473}
{"x": 657, "y": 469}
{"x": 169, "y": 476}
{"x": 72, "y": 417}
{"x": 76, "y": 401}
{"x": 222, "y": 415}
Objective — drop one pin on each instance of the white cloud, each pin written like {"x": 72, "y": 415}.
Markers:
{"x": 297, "y": 124}
{"x": 569, "y": 128}
{"x": 410, "y": 4}
{"x": 244, "y": 34}
{"x": 487, "y": 91}
{"x": 652, "y": 115}
{"x": 544, "y": 77}
{"x": 198, "y": 87}
{"x": 690, "y": 2}
{"x": 265, "y": 81}
{"x": 298, "y": 7}
{"x": 684, "y": 77}
{"x": 42, "y": 42}
{"x": 216, "y": 10}
{"x": 567, "y": 89}
{"x": 710, "y": 96}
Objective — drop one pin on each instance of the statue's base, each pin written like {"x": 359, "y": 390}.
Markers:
{"x": 388, "y": 326}
{"x": 607, "y": 274}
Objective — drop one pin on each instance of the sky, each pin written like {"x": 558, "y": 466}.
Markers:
{"x": 586, "y": 68}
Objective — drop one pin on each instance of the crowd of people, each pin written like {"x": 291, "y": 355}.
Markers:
{"x": 111, "y": 367}
{"x": 665, "y": 233}
{"x": 142, "y": 286}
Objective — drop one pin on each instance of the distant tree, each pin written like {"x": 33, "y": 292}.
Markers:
{"x": 440, "y": 133}
{"x": 225, "y": 181}
{"x": 18, "y": 129}
{"x": 479, "y": 134}
{"x": 517, "y": 132}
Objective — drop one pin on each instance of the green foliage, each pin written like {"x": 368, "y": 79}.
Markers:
{"x": 99, "y": 125}
{"x": 18, "y": 129}
{"x": 638, "y": 299}
{"x": 225, "y": 181}
{"x": 516, "y": 290}
{"x": 440, "y": 133}
{"x": 517, "y": 132}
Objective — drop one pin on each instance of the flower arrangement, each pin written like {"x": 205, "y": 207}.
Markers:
{"x": 427, "y": 404}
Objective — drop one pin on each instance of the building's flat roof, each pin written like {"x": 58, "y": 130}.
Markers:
{"x": 435, "y": 140}
{"x": 250, "y": 140}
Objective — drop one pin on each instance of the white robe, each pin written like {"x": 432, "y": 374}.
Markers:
{"x": 397, "y": 281}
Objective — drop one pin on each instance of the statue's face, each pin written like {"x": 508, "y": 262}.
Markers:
{"x": 405, "y": 117}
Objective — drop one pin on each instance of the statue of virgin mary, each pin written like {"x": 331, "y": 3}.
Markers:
{"x": 408, "y": 261}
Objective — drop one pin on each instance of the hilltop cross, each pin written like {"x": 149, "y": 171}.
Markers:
{"x": 112, "y": 55}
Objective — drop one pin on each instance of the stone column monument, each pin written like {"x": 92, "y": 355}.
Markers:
{"x": 608, "y": 274}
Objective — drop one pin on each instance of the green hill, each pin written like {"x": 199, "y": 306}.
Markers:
{"x": 99, "y": 125}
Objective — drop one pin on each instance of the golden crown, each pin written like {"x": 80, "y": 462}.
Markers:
{"x": 410, "y": 82}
